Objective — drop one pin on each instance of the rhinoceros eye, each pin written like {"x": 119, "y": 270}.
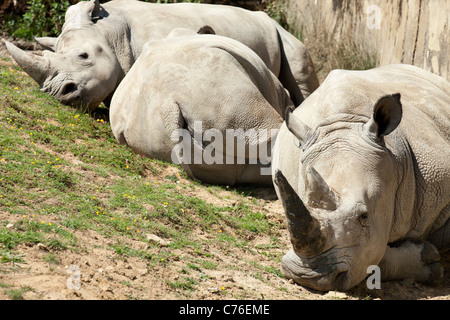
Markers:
{"x": 84, "y": 55}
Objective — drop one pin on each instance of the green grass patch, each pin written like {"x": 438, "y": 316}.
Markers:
{"x": 62, "y": 171}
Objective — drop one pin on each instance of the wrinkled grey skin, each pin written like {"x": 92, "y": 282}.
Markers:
{"x": 189, "y": 78}
{"x": 99, "y": 44}
{"x": 362, "y": 169}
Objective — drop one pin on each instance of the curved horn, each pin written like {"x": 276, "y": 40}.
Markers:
{"x": 298, "y": 128}
{"x": 49, "y": 43}
{"x": 36, "y": 66}
{"x": 318, "y": 193}
{"x": 304, "y": 229}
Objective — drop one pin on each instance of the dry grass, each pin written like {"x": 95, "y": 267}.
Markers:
{"x": 329, "y": 54}
{"x": 328, "y": 51}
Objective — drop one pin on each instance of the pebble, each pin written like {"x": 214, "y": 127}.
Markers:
{"x": 153, "y": 238}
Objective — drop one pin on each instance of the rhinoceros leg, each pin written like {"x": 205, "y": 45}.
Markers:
{"x": 412, "y": 259}
{"x": 441, "y": 237}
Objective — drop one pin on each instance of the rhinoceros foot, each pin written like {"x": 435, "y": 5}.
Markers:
{"x": 430, "y": 257}
{"x": 412, "y": 259}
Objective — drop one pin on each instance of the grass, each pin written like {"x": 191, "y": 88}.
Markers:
{"x": 17, "y": 294}
{"x": 327, "y": 52}
{"x": 62, "y": 172}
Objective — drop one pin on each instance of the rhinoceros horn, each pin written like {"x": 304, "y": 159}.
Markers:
{"x": 318, "y": 193}
{"x": 306, "y": 237}
{"x": 48, "y": 43}
{"x": 297, "y": 127}
{"x": 36, "y": 66}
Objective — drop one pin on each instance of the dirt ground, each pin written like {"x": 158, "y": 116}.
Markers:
{"x": 106, "y": 276}
{"x": 103, "y": 275}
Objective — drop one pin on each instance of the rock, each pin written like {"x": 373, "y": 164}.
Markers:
{"x": 42, "y": 247}
{"x": 153, "y": 238}
{"x": 336, "y": 295}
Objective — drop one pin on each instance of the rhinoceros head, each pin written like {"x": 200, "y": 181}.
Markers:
{"x": 340, "y": 218}
{"x": 80, "y": 69}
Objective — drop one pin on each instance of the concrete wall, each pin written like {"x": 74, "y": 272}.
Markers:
{"x": 399, "y": 31}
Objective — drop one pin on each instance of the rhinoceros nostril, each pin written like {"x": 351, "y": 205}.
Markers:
{"x": 69, "y": 88}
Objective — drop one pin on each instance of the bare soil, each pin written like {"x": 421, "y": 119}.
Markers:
{"x": 107, "y": 276}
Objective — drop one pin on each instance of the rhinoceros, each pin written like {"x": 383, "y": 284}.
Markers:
{"x": 99, "y": 44}
{"x": 362, "y": 169}
{"x": 206, "y": 102}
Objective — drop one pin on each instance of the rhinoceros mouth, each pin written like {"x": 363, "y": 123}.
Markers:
{"x": 327, "y": 271}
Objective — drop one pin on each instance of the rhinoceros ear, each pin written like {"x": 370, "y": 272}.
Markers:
{"x": 300, "y": 130}
{"x": 98, "y": 12}
{"x": 387, "y": 114}
{"x": 83, "y": 13}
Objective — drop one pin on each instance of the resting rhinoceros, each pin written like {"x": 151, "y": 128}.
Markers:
{"x": 99, "y": 44}
{"x": 362, "y": 169}
{"x": 205, "y": 101}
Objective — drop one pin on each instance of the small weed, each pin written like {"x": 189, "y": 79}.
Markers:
{"x": 17, "y": 294}
{"x": 185, "y": 283}
{"x": 7, "y": 256}
{"x": 51, "y": 258}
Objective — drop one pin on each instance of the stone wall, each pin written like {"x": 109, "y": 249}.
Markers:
{"x": 399, "y": 31}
